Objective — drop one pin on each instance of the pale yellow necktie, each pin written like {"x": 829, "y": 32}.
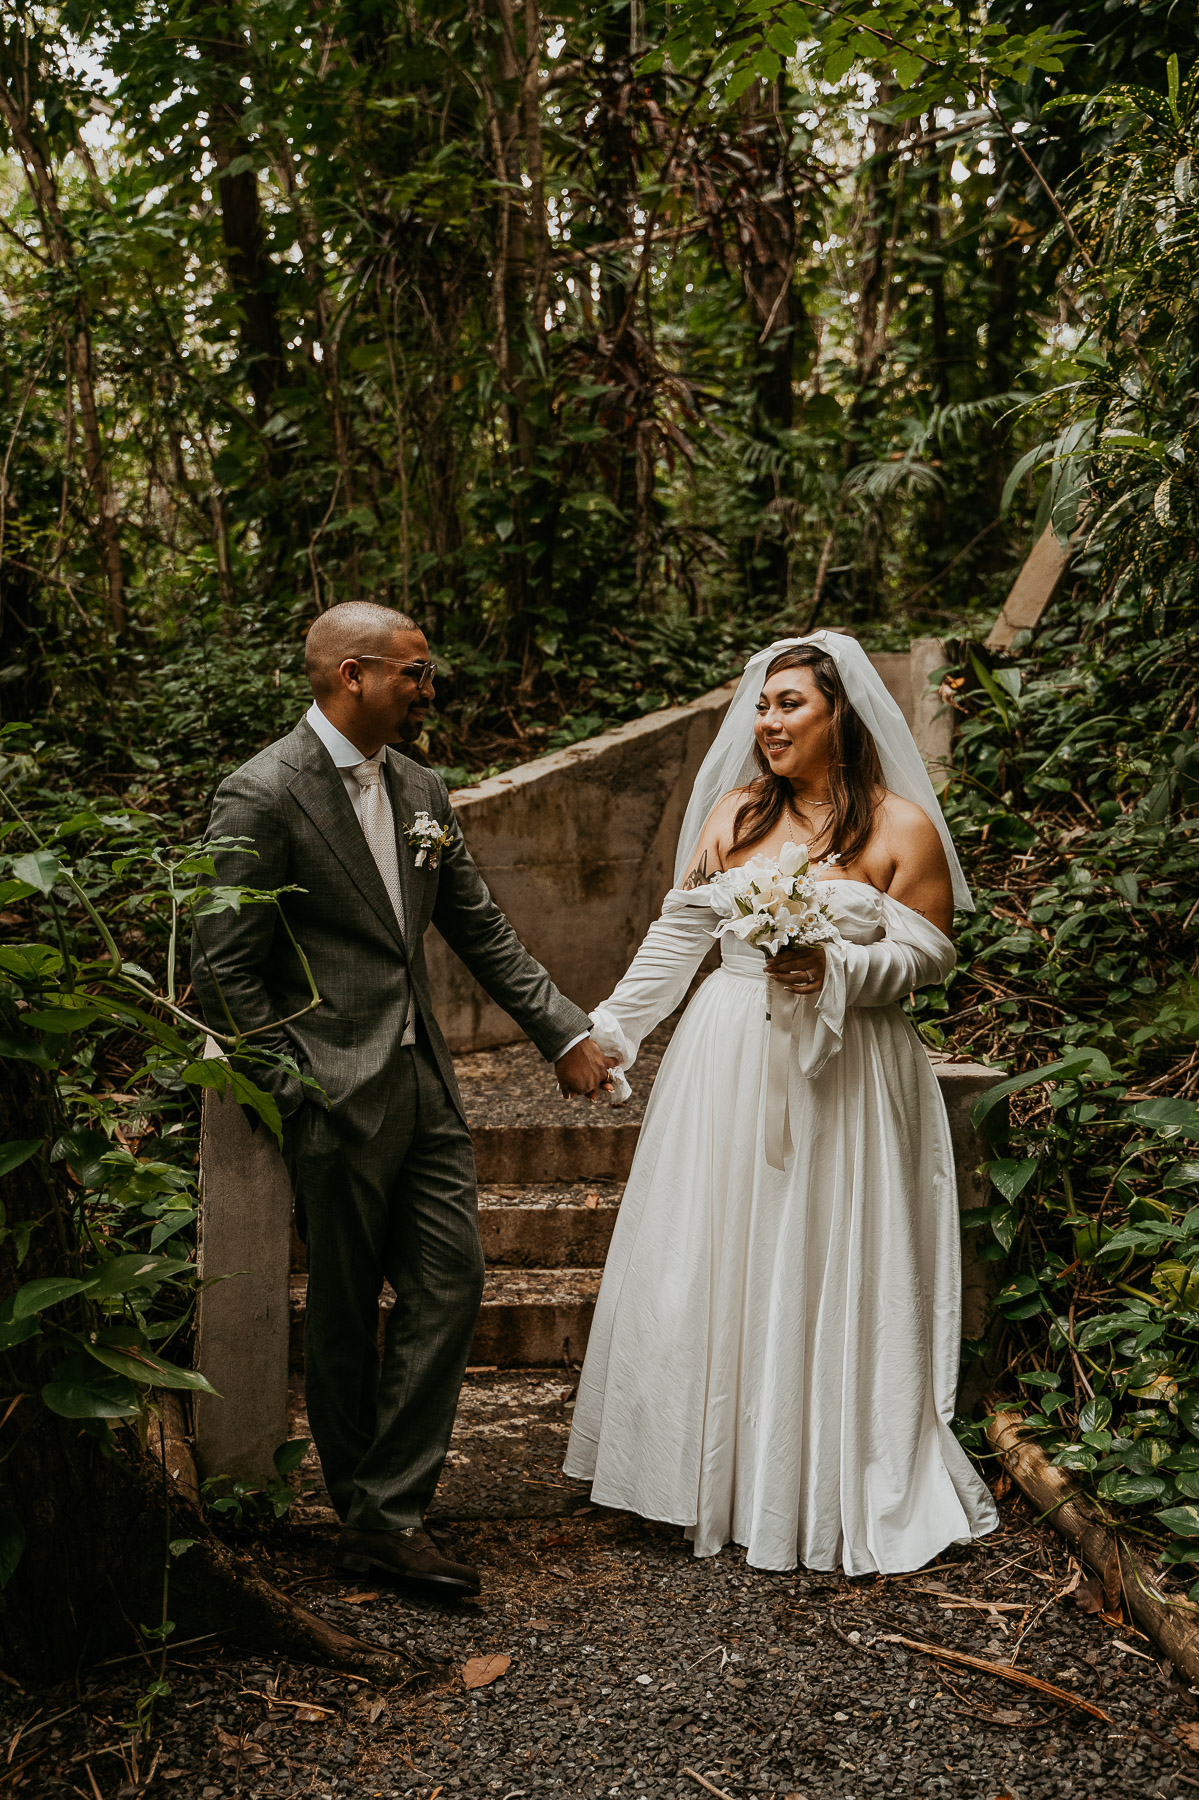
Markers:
{"x": 378, "y": 828}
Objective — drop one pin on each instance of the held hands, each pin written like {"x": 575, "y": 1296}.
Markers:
{"x": 584, "y": 1070}
{"x": 801, "y": 969}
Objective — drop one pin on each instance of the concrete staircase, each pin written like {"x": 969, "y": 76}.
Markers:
{"x": 551, "y": 1175}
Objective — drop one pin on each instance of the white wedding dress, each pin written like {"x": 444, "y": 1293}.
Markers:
{"x": 774, "y": 1355}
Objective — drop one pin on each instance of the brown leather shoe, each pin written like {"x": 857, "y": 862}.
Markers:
{"x": 409, "y": 1557}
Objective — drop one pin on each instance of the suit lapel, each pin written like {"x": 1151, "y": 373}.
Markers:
{"x": 403, "y": 811}
{"x": 318, "y": 787}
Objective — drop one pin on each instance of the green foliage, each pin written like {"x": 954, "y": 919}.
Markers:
{"x": 936, "y": 53}
{"x": 358, "y": 327}
{"x": 110, "y": 1326}
{"x": 248, "y": 1504}
{"x": 1076, "y": 801}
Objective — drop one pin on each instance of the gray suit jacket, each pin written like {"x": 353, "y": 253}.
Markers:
{"x": 291, "y": 804}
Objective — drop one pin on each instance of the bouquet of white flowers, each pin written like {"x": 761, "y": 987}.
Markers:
{"x": 774, "y": 906}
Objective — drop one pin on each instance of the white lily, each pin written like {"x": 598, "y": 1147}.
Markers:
{"x": 793, "y": 859}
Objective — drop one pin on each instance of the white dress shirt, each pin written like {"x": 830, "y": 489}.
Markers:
{"x": 346, "y": 757}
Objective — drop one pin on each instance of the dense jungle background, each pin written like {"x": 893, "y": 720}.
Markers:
{"x": 608, "y": 341}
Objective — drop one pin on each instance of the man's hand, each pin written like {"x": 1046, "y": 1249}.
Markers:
{"x": 800, "y": 969}
{"x": 584, "y": 1070}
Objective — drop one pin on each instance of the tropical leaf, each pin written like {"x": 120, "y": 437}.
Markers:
{"x": 18, "y": 1151}
{"x": 1074, "y": 1067}
{"x": 143, "y": 1366}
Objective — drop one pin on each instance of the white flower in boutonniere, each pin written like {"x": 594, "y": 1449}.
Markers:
{"x": 428, "y": 839}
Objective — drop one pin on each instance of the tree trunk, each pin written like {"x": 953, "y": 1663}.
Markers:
{"x": 1003, "y": 304}
{"x": 936, "y": 548}
{"x": 766, "y": 217}
{"x": 534, "y": 163}
{"x": 98, "y": 1514}
{"x": 878, "y": 223}
{"x": 24, "y": 624}
{"x": 881, "y": 205}
{"x": 513, "y": 285}
{"x": 251, "y": 274}
{"x": 17, "y": 64}
{"x": 616, "y": 174}
{"x": 328, "y": 336}
{"x": 619, "y": 457}
{"x": 222, "y": 60}
{"x": 1169, "y": 1620}
{"x": 939, "y": 361}
{"x": 877, "y": 246}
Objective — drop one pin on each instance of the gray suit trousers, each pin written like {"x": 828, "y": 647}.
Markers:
{"x": 399, "y": 1206}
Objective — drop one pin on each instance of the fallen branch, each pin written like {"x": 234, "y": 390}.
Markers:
{"x": 952, "y": 1602}
{"x": 1172, "y": 1624}
{"x": 1017, "y": 1676}
{"x": 705, "y": 1783}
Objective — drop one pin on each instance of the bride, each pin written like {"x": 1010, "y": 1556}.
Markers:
{"x": 774, "y": 1353}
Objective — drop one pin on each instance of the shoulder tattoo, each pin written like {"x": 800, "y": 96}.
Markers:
{"x": 699, "y": 876}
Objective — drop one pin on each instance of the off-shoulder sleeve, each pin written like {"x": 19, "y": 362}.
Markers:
{"x": 913, "y": 954}
{"x": 658, "y": 977}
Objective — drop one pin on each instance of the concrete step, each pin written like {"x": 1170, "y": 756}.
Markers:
{"x": 512, "y": 1154}
{"x": 548, "y": 1225}
{"x": 529, "y": 1319}
{"x": 535, "y": 1318}
{"x": 524, "y": 1131}
{"x": 514, "y": 1086}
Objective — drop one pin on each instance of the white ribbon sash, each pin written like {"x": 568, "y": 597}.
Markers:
{"x": 784, "y": 1005}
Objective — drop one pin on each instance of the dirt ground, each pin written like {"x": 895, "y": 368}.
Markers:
{"x": 624, "y": 1666}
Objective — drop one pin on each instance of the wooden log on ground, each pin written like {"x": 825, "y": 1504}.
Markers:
{"x": 170, "y": 1443}
{"x": 1172, "y": 1624}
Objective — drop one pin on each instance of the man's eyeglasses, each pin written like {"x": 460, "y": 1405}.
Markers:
{"x": 419, "y": 671}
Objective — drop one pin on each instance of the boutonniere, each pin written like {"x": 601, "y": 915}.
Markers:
{"x": 428, "y": 839}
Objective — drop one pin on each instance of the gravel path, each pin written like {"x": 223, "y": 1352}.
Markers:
{"x": 633, "y": 1664}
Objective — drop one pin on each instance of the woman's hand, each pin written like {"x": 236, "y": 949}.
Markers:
{"x": 800, "y": 969}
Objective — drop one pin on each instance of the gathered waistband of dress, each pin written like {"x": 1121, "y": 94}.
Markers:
{"x": 751, "y": 974}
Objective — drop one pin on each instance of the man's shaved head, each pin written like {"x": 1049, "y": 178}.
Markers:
{"x": 355, "y": 628}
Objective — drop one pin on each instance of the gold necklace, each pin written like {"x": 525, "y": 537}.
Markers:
{"x": 787, "y": 815}
{"x": 787, "y": 818}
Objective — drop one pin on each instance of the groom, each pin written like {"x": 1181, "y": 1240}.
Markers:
{"x": 379, "y": 1154}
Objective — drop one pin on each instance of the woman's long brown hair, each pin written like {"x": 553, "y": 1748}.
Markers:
{"x": 855, "y": 776}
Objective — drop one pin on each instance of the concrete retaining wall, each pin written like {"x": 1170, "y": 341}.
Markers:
{"x": 244, "y": 1251}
